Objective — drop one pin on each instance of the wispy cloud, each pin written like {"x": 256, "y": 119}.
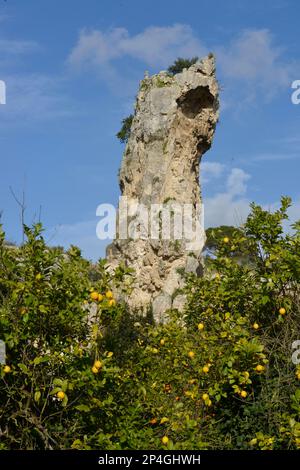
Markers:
{"x": 273, "y": 157}
{"x": 211, "y": 170}
{"x": 155, "y": 46}
{"x": 3, "y": 18}
{"x": 35, "y": 98}
{"x": 16, "y": 47}
{"x": 252, "y": 58}
{"x": 81, "y": 234}
{"x": 230, "y": 206}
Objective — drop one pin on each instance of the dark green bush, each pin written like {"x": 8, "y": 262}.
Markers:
{"x": 124, "y": 132}
{"x": 181, "y": 64}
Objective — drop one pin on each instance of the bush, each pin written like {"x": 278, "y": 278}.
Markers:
{"x": 124, "y": 132}
{"x": 83, "y": 372}
{"x": 181, "y": 64}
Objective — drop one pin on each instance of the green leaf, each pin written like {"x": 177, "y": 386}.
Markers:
{"x": 84, "y": 408}
{"x": 23, "y": 368}
{"x": 65, "y": 401}
{"x": 38, "y": 360}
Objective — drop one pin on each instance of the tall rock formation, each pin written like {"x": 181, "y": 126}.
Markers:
{"x": 173, "y": 126}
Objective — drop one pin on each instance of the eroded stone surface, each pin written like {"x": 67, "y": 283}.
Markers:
{"x": 173, "y": 126}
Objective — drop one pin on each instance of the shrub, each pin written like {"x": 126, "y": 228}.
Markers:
{"x": 181, "y": 64}
{"x": 83, "y": 372}
{"x": 124, "y": 132}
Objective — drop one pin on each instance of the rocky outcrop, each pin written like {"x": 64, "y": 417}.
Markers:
{"x": 173, "y": 126}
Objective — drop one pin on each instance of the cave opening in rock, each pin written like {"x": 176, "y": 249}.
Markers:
{"x": 195, "y": 100}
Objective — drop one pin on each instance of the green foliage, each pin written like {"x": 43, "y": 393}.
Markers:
{"x": 124, "y": 132}
{"x": 85, "y": 373}
{"x": 161, "y": 83}
{"x": 181, "y": 64}
{"x": 215, "y": 235}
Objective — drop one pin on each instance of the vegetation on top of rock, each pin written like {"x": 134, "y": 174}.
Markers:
{"x": 180, "y": 64}
{"x": 124, "y": 132}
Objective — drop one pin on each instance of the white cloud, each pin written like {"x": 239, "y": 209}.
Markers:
{"x": 273, "y": 157}
{"x": 29, "y": 97}
{"x": 155, "y": 46}
{"x": 11, "y": 51}
{"x": 254, "y": 58}
{"x": 222, "y": 209}
{"x": 211, "y": 170}
{"x": 229, "y": 207}
{"x": 34, "y": 98}
{"x": 236, "y": 182}
{"x": 16, "y": 47}
{"x": 81, "y": 234}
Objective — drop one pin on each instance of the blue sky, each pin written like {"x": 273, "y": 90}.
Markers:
{"x": 72, "y": 69}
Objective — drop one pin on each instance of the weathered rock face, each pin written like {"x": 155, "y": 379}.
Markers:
{"x": 173, "y": 126}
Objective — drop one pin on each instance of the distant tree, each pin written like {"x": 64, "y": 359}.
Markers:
{"x": 216, "y": 236}
{"x": 124, "y": 132}
{"x": 181, "y": 64}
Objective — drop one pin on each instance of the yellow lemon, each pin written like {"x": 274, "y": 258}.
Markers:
{"x": 191, "y": 354}
{"x": 95, "y": 370}
{"x": 61, "y": 395}
{"x": 205, "y": 396}
{"x": 110, "y": 354}
{"x": 255, "y": 326}
{"x": 209, "y": 403}
{"x": 298, "y": 375}
{"x": 282, "y": 311}
{"x": 98, "y": 364}
{"x": 247, "y": 375}
{"x": 259, "y": 368}
{"x": 226, "y": 240}
{"x": 6, "y": 369}
{"x": 112, "y": 303}
{"x": 100, "y": 297}
{"x": 109, "y": 294}
{"x": 200, "y": 326}
{"x": 205, "y": 369}
{"x": 244, "y": 393}
{"x": 162, "y": 342}
{"x": 164, "y": 420}
{"x": 165, "y": 440}
{"x": 94, "y": 295}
